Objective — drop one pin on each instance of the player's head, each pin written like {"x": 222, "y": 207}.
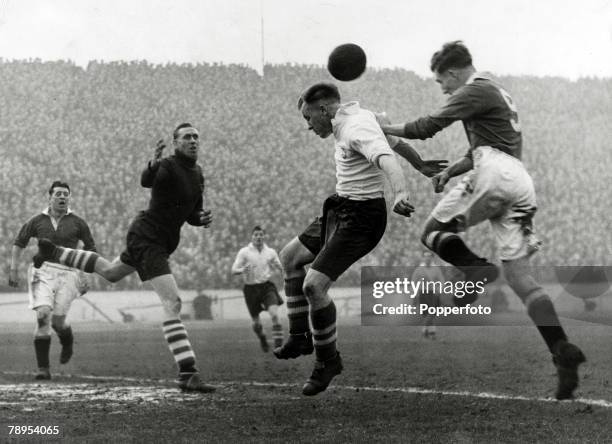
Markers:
{"x": 318, "y": 105}
{"x": 258, "y": 236}
{"x": 186, "y": 140}
{"x": 59, "y": 196}
{"x": 452, "y": 66}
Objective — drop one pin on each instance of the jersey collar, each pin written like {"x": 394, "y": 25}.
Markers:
{"x": 47, "y": 213}
{"x": 478, "y": 75}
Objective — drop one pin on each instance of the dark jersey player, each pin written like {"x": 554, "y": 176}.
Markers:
{"x": 497, "y": 188}
{"x": 53, "y": 287}
{"x": 177, "y": 185}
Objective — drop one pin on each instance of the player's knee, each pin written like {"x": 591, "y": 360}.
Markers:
{"x": 310, "y": 289}
{"x": 520, "y": 280}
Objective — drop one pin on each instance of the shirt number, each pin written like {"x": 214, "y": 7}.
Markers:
{"x": 516, "y": 126}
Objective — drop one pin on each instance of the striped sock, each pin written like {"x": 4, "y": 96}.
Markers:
{"x": 180, "y": 347}
{"x": 41, "y": 347}
{"x": 81, "y": 259}
{"x": 297, "y": 306}
{"x": 277, "y": 334}
{"x": 324, "y": 332}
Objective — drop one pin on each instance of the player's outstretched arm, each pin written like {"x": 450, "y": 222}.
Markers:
{"x": 428, "y": 168}
{"x": 148, "y": 175}
{"x": 393, "y": 171}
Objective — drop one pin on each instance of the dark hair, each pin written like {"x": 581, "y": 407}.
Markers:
{"x": 180, "y": 127}
{"x": 257, "y": 228}
{"x": 58, "y": 183}
{"x": 452, "y": 55}
{"x": 319, "y": 91}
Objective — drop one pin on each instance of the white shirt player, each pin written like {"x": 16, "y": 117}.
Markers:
{"x": 260, "y": 263}
{"x": 359, "y": 144}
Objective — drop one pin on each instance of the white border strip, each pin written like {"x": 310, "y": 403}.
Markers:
{"x": 408, "y": 390}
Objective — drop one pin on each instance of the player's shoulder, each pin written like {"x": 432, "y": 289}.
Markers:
{"x": 244, "y": 250}
{"x": 78, "y": 219}
{"x": 37, "y": 217}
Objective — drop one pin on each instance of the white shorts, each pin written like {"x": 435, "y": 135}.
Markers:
{"x": 53, "y": 285}
{"x": 498, "y": 189}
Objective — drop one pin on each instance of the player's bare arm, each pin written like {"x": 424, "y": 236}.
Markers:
{"x": 428, "y": 168}
{"x": 401, "y": 205}
{"x": 16, "y": 253}
{"x": 240, "y": 266}
{"x": 458, "y": 168}
{"x": 148, "y": 175}
{"x": 396, "y": 130}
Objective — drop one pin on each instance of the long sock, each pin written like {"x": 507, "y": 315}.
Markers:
{"x": 542, "y": 311}
{"x": 81, "y": 259}
{"x": 180, "y": 347}
{"x": 65, "y": 336}
{"x": 324, "y": 331}
{"x": 277, "y": 333}
{"x": 297, "y": 306}
{"x": 41, "y": 346}
{"x": 451, "y": 248}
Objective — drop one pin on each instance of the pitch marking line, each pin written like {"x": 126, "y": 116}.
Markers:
{"x": 408, "y": 390}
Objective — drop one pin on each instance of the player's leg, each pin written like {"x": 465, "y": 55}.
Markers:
{"x": 277, "y": 327}
{"x": 40, "y": 292}
{"x": 352, "y": 229}
{"x": 252, "y": 298}
{"x": 294, "y": 256}
{"x": 176, "y": 335}
{"x": 258, "y": 329}
{"x": 472, "y": 201}
{"x": 270, "y": 300}
{"x": 64, "y": 333}
{"x": 87, "y": 261}
{"x": 67, "y": 291}
{"x": 42, "y": 341}
{"x": 513, "y": 233}
{"x": 566, "y": 356}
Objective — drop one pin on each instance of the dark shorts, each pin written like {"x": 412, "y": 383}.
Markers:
{"x": 145, "y": 250}
{"x": 259, "y": 297}
{"x": 347, "y": 231}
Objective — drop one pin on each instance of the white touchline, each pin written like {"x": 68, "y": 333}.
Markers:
{"x": 409, "y": 390}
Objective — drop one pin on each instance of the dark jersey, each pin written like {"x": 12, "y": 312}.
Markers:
{"x": 70, "y": 230}
{"x": 177, "y": 185}
{"x": 488, "y": 114}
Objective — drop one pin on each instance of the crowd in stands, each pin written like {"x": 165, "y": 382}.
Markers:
{"x": 96, "y": 128}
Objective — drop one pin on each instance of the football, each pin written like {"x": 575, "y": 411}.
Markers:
{"x": 347, "y": 62}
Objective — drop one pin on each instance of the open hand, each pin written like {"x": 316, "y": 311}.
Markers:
{"x": 432, "y": 167}
{"x": 159, "y": 150}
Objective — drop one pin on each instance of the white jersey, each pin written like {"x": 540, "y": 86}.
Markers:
{"x": 359, "y": 144}
{"x": 260, "y": 263}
